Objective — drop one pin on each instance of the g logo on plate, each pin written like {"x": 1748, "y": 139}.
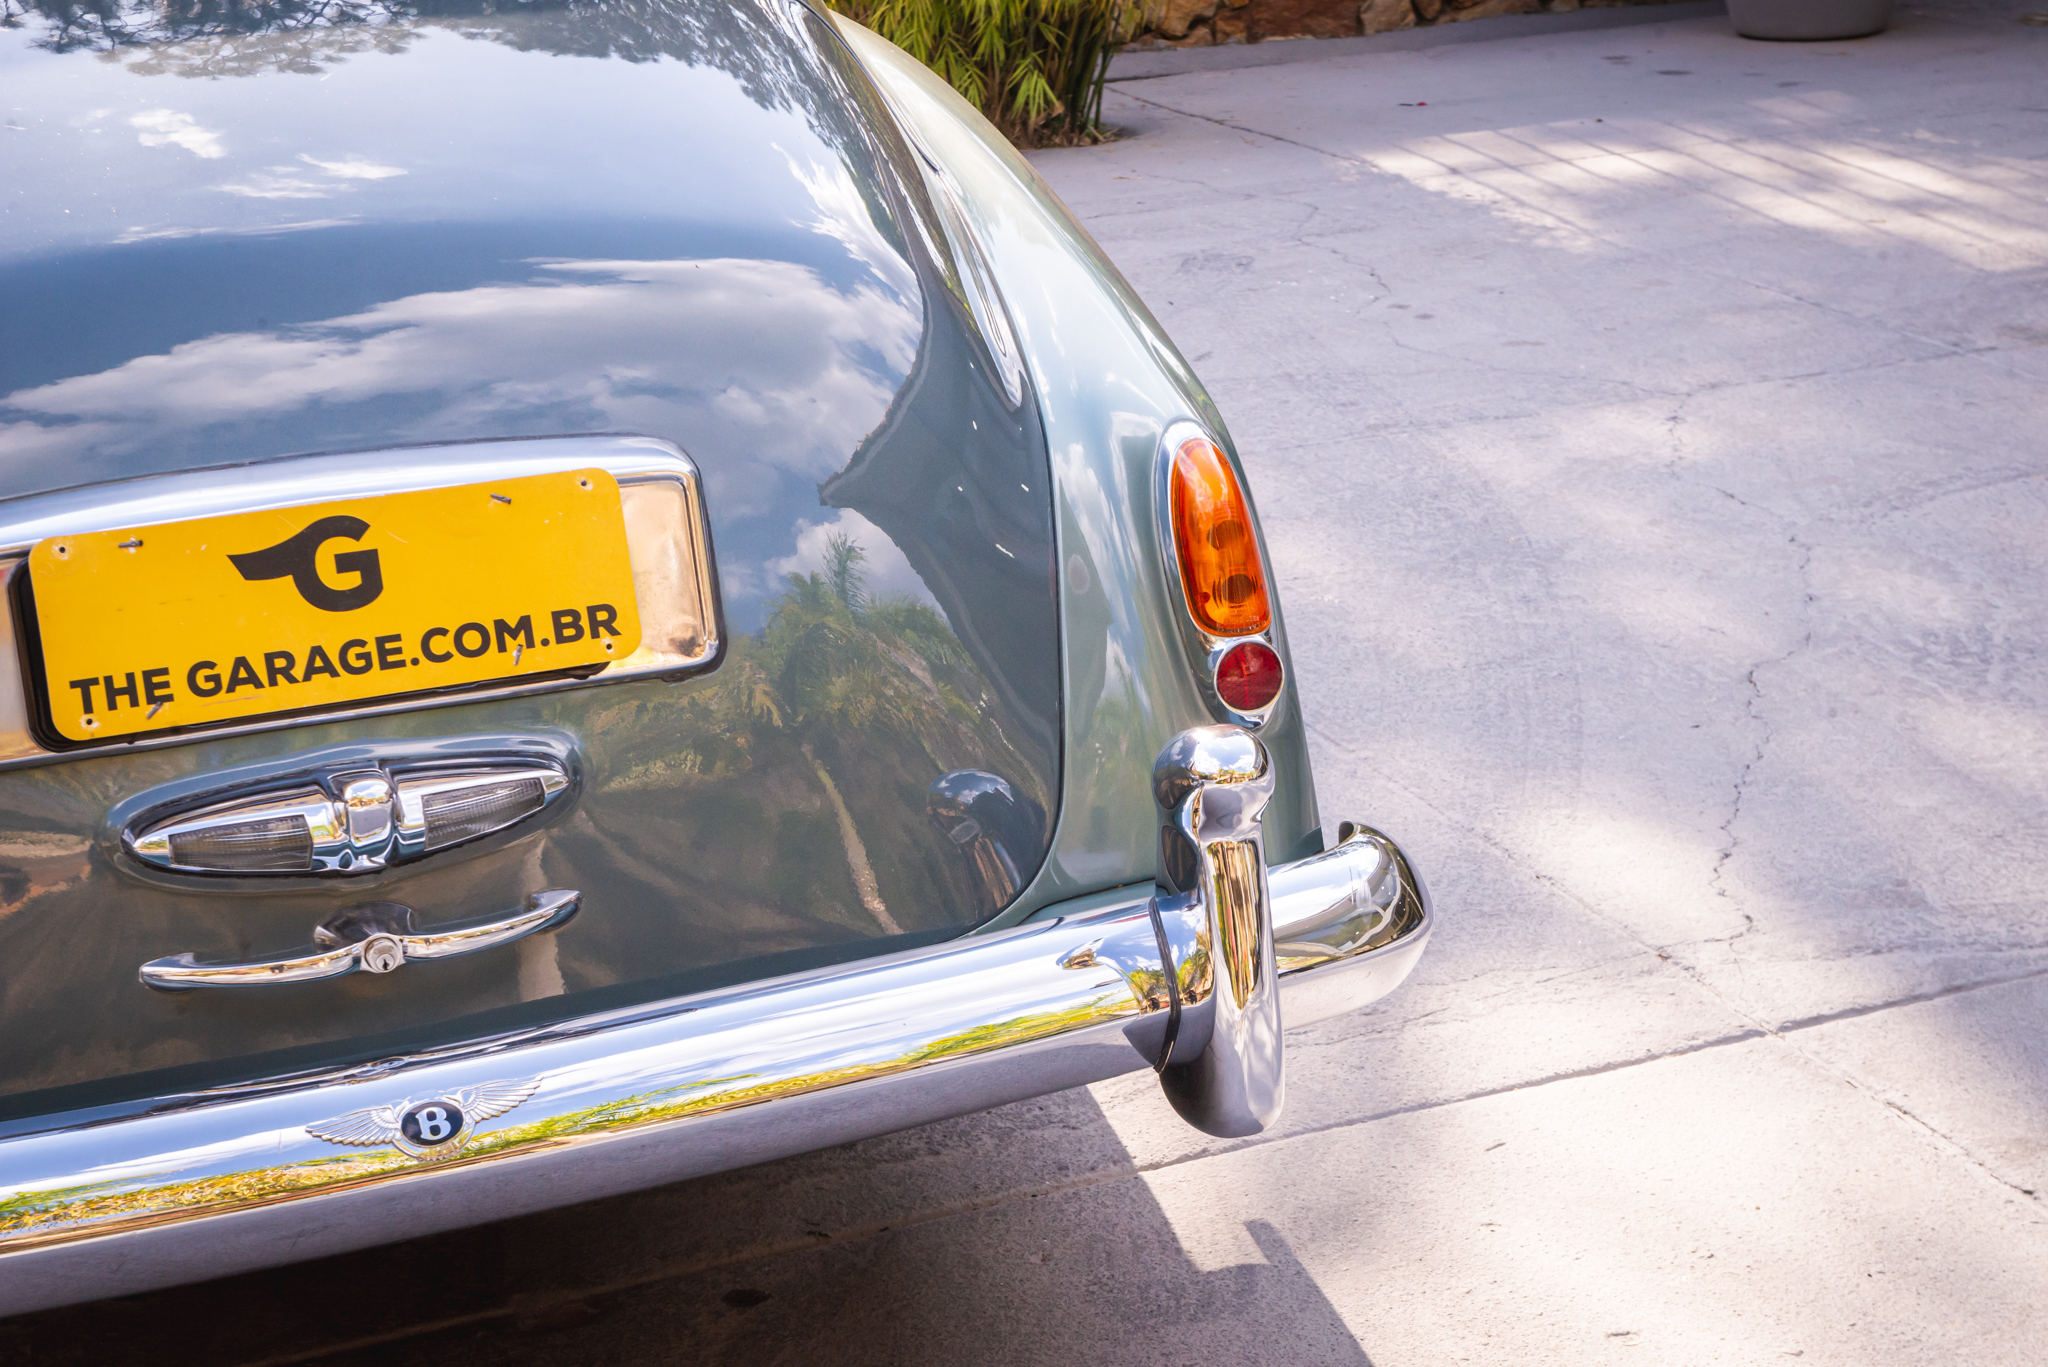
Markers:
{"x": 431, "y": 1123}
{"x": 294, "y": 559}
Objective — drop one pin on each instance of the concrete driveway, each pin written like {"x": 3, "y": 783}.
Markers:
{"x": 1652, "y": 430}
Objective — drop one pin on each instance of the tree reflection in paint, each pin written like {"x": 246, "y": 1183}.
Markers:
{"x": 212, "y": 38}
{"x": 857, "y": 702}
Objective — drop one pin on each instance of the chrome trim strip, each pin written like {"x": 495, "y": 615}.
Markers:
{"x": 668, "y": 542}
{"x": 207, "y": 1185}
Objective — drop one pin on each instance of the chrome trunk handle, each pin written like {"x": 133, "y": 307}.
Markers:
{"x": 376, "y": 937}
{"x": 1212, "y": 784}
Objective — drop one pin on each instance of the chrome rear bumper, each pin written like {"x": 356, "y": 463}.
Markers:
{"x": 210, "y": 1184}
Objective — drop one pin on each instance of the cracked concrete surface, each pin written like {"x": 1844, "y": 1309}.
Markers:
{"x": 1647, "y": 428}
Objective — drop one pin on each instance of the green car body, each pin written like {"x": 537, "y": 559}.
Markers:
{"x": 905, "y": 741}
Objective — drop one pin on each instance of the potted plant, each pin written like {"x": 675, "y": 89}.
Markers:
{"x": 1809, "y": 20}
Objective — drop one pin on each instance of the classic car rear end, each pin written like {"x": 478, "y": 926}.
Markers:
{"x": 598, "y": 593}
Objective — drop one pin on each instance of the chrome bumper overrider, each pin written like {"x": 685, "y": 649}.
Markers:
{"x": 212, "y": 1183}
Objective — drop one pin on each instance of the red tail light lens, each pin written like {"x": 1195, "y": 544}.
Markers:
{"x": 1248, "y": 676}
{"x": 1212, "y": 533}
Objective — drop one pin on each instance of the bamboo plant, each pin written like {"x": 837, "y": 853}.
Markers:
{"x": 1034, "y": 67}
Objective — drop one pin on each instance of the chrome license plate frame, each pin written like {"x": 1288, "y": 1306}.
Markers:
{"x": 668, "y": 537}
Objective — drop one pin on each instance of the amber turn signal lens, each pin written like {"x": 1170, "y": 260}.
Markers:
{"x": 1219, "y": 556}
{"x": 1248, "y": 677}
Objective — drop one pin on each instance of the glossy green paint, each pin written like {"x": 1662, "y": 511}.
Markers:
{"x": 1109, "y": 383}
{"x": 707, "y": 833}
{"x": 495, "y": 226}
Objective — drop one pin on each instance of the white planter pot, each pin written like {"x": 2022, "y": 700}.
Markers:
{"x": 1809, "y": 20}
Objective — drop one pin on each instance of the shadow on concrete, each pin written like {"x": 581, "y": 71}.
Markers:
{"x": 1021, "y": 1236}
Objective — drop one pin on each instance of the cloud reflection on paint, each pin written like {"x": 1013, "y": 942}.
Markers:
{"x": 169, "y": 128}
{"x": 760, "y": 361}
{"x": 843, "y": 216}
{"x": 271, "y": 185}
{"x": 887, "y": 572}
{"x": 353, "y": 168}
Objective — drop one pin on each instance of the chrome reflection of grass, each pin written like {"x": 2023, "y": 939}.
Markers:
{"x": 57, "y": 1214}
{"x": 53, "y": 1214}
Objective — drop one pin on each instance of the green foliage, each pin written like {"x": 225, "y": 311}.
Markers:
{"x": 1034, "y": 67}
{"x": 834, "y": 662}
{"x": 842, "y": 660}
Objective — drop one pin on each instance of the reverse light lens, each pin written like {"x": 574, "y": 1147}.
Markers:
{"x": 1219, "y": 556}
{"x": 466, "y": 813}
{"x": 279, "y": 845}
{"x": 1248, "y": 676}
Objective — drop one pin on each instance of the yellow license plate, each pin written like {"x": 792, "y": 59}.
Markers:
{"x": 231, "y": 617}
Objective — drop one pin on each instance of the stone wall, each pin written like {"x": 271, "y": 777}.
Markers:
{"x": 1202, "y": 23}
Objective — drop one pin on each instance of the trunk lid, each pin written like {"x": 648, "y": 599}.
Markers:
{"x": 232, "y": 245}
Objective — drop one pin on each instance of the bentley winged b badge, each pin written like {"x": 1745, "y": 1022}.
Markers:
{"x": 434, "y": 1127}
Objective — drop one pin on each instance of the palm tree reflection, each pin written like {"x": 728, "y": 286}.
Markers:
{"x": 869, "y": 696}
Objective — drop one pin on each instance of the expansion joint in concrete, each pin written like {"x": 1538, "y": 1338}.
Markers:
{"x": 1242, "y": 128}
